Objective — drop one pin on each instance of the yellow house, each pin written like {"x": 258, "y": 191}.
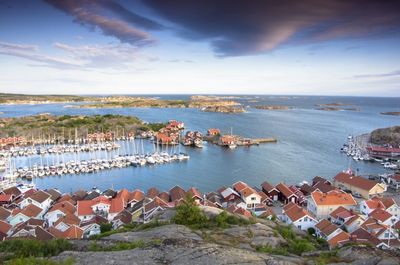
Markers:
{"x": 356, "y": 184}
{"x": 322, "y": 204}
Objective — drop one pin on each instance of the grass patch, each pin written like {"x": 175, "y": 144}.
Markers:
{"x": 130, "y": 228}
{"x": 118, "y": 246}
{"x": 327, "y": 258}
{"x": 270, "y": 250}
{"x": 39, "y": 261}
{"x": 24, "y": 248}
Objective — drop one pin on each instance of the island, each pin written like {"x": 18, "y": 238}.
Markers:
{"x": 386, "y": 136}
{"x": 47, "y": 128}
{"x": 272, "y": 107}
{"x": 393, "y": 113}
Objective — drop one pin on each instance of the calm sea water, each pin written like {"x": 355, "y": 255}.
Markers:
{"x": 308, "y": 143}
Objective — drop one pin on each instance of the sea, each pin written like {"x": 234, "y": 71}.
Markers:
{"x": 309, "y": 142}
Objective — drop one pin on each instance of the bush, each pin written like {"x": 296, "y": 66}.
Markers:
{"x": 270, "y": 250}
{"x": 118, "y": 246}
{"x": 189, "y": 214}
{"x": 105, "y": 227}
{"x": 298, "y": 246}
{"x": 311, "y": 231}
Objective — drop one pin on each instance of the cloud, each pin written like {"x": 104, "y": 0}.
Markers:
{"x": 390, "y": 74}
{"x": 93, "y": 14}
{"x": 31, "y": 53}
{"x": 83, "y": 57}
{"x": 235, "y": 27}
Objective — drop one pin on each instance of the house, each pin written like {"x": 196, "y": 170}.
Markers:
{"x": 5, "y": 228}
{"x": 270, "y": 191}
{"x": 164, "y": 196}
{"x": 297, "y": 216}
{"x": 265, "y": 199}
{"x": 394, "y": 181}
{"x": 301, "y": 198}
{"x": 177, "y": 194}
{"x": 249, "y": 195}
{"x": 386, "y": 203}
{"x": 59, "y": 210}
{"x": 195, "y": 194}
{"x": 84, "y": 210}
{"x": 123, "y": 218}
{"x": 216, "y": 198}
{"x": 326, "y": 229}
{"x": 213, "y": 132}
{"x": 322, "y": 204}
{"x": 40, "y": 199}
{"x": 66, "y": 221}
{"x": 152, "y": 192}
{"x": 6, "y": 199}
{"x": 152, "y": 208}
{"x": 73, "y": 232}
{"x": 339, "y": 239}
{"x": 92, "y": 226}
{"x": 383, "y": 217}
{"x": 377, "y": 229}
{"x": 4, "y": 214}
{"x": 229, "y": 196}
{"x": 239, "y": 210}
{"x": 368, "y": 206}
{"x": 135, "y": 197}
{"x": 285, "y": 194}
{"x": 54, "y": 193}
{"x": 353, "y": 223}
{"x": 268, "y": 214}
{"x": 30, "y": 211}
{"x": 358, "y": 185}
{"x": 363, "y": 236}
{"x": 341, "y": 215}
{"x": 116, "y": 207}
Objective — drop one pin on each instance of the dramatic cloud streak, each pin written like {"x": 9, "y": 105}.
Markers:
{"x": 84, "y": 57}
{"x": 390, "y": 74}
{"x": 237, "y": 27}
{"x": 93, "y": 14}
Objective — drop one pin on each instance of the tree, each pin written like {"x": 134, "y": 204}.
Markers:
{"x": 188, "y": 213}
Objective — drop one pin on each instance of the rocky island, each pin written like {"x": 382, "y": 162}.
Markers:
{"x": 337, "y": 106}
{"x": 272, "y": 107}
{"x": 47, "y": 126}
{"x": 386, "y": 136}
{"x": 393, "y": 113}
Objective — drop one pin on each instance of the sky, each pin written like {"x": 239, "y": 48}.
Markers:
{"x": 308, "y": 47}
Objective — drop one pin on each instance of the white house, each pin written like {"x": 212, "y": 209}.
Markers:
{"x": 297, "y": 216}
{"x": 40, "y": 198}
{"x": 59, "y": 210}
{"x": 326, "y": 229}
{"x": 30, "y": 211}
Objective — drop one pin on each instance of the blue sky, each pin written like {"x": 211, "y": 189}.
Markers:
{"x": 226, "y": 47}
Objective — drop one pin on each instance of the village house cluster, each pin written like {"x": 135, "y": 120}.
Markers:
{"x": 327, "y": 208}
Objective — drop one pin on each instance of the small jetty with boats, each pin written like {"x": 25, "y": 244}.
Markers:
{"x": 232, "y": 141}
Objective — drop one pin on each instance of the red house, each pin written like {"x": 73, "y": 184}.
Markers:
{"x": 270, "y": 190}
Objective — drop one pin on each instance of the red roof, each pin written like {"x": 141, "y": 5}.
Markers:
{"x": 177, "y": 193}
{"x": 31, "y": 210}
{"x": 84, "y": 208}
{"x": 6, "y": 197}
{"x": 136, "y": 195}
{"x": 240, "y": 185}
{"x": 152, "y": 192}
{"x": 193, "y": 192}
{"x": 73, "y": 232}
{"x": 380, "y": 215}
{"x": 65, "y": 207}
{"x": 383, "y": 149}
{"x": 5, "y": 227}
{"x": 285, "y": 190}
{"x": 356, "y": 181}
{"x": 124, "y": 193}
{"x": 117, "y": 205}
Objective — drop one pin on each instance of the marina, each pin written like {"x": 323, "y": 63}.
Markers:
{"x": 309, "y": 146}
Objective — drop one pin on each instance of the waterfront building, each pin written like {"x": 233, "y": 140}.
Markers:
{"x": 358, "y": 185}
{"x": 285, "y": 195}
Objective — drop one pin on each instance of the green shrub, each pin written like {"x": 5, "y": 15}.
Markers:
{"x": 188, "y": 213}
{"x": 298, "y": 246}
{"x": 117, "y": 247}
{"x": 105, "y": 227}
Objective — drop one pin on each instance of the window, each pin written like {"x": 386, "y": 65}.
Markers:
{"x": 299, "y": 227}
{"x": 253, "y": 198}
{"x": 305, "y": 219}
{"x": 248, "y": 205}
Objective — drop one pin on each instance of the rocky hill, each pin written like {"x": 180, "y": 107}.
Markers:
{"x": 389, "y": 136}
